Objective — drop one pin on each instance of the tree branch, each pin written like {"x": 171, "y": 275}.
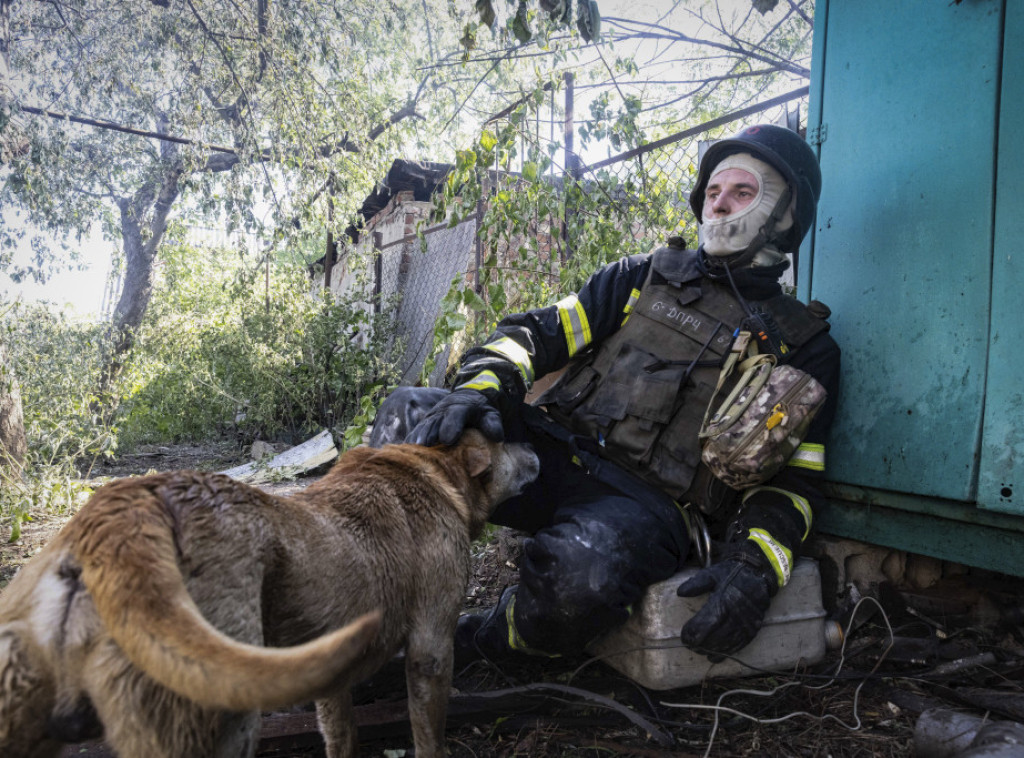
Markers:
{"x": 798, "y": 7}
{"x": 407, "y": 111}
{"x": 102, "y": 124}
{"x": 664, "y": 33}
{"x": 472, "y": 92}
{"x": 243, "y": 98}
{"x": 227, "y": 157}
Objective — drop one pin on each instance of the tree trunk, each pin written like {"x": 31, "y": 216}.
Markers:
{"x": 12, "y": 141}
{"x": 141, "y": 238}
{"x": 13, "y": 446}
{"x": 5, "y": 40}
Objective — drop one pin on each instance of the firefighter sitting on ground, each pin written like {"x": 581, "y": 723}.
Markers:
{"x": 617, "y": 435}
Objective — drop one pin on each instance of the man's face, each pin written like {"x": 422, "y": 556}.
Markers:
{"x": 729, "y": 191}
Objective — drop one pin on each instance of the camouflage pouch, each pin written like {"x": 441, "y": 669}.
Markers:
{"x": 763, "y": 420}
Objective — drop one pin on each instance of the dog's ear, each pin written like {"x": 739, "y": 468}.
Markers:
{"x": 477, "y": 458}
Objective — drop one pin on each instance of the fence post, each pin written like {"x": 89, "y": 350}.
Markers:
{"x": 572, "y": 161}
{"x": 478, "y": 247}
{"x": 332, "y": 248}
{"x": 378, "y": 271}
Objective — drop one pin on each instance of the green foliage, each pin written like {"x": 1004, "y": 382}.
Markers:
{"x": 620, "y": 126}
{"x": 57, "y": 361}
{"x": 228, "y": 347}
{"x": 287, "y": 88}
{"x": 545, "y": 235}
{"x": 283, "y": 118}
{"x": 256, "y": 353}
{"x": 549, "y": 16}
{"x": 45, "y": 488}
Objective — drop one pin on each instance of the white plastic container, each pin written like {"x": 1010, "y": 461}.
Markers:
{"x": 647, "y": 648}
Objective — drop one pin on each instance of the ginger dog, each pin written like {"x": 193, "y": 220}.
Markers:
{"x": 173, "y": 607}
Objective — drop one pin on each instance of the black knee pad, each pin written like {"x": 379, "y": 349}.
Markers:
{"x": 581, "y": 576}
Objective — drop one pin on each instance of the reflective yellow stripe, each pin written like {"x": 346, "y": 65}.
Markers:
{"x": 485, "y": 380}
{"x": 633, "y": 297}
{"x": 574, "y": 323}
{"x": 809, "y": 455}
{"x": 508, "y": 348}
{"x": 778, "y": 555}
{"x": 515, "y": 640}
{"x": 800, "y": 503}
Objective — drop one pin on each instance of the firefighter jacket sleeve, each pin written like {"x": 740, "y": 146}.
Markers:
{"x": 526, "y": 346}
{"x": 776, "y": 517}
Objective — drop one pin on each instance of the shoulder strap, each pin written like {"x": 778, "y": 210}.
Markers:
{"x": 675, "y": 266}
{"x": 755, "y": 368}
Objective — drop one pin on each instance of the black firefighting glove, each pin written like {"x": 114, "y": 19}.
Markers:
{"x": 741, "y": 587}
{"x": 462, "y": 409}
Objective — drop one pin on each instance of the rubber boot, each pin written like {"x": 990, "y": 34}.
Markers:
{"x": 486, "y": 635}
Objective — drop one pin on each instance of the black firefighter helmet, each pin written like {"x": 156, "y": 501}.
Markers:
{"x": 788, "y": 153}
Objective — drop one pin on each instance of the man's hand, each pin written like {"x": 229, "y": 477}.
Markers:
{"x": 446, "y": 421}
{"x": 741, "y": 587}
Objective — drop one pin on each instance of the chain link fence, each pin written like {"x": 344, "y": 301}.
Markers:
{"x": 412, "y": 279}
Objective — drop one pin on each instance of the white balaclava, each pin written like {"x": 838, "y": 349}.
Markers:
{"x": 732, "y": 234}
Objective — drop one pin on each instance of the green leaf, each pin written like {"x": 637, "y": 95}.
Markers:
{"x": 473, "y": 300}
{"x": 521, "y": 25}
{"x": 455, "y": 321}
{"x": 486, "y": 10}
{"x": 488, "y": 140}
{"x": 15, "y": 528}
{"x": 588, "y": 20}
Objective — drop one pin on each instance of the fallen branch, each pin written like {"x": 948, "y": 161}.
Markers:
{"x": 659, "y": 736}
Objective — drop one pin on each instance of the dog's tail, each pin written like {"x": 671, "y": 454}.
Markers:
{"x": 124, "y": 541}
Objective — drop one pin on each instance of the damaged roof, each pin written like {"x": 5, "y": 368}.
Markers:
{"x": 422, "y": 178}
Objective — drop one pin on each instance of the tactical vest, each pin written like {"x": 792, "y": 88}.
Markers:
{"x": 642, "y": 393}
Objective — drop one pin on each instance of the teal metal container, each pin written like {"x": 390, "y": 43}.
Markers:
{"x": 917, "y": 113}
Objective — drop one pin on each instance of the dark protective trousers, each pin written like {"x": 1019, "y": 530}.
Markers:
{"x": 593, "y": 547}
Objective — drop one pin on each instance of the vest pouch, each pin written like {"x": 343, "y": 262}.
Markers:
{"x": 679, "y": 439}
{"x": 572, "y": 390}
{"x": 637, "y": 395}
{"x": 655, "y": 389}
{"x": 677, "y": 452}
{"x": 711, "y": 494}
{"x": 759, "y": 426}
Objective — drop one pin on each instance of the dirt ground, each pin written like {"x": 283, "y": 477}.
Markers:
{"x": 960, "y": 646}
